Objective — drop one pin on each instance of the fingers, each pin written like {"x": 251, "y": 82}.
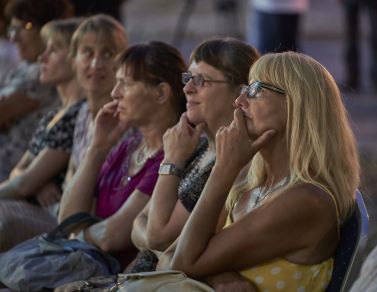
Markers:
{"x": 239, "y": 119}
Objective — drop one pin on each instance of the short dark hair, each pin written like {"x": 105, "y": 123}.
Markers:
{"x": 39, "y": 12}
{"x": 156, "y": 62}
{"x": 230, "y": 56}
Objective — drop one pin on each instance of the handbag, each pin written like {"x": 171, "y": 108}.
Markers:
{"x": 51, "y": 259}
{"x": 158, "y": 281}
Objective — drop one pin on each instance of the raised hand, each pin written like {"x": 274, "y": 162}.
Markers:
{"x": 234, "y": 149}
{"x": 108, "y": 129}
{"x": 181, "y": 140}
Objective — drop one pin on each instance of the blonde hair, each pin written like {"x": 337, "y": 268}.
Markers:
{"x": 321, "y": 146}
{"x": 104, "y": 25}
{"x": 61, "y": 29}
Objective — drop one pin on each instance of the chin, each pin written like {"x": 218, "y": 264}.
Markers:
{"x": 194, "y": 118}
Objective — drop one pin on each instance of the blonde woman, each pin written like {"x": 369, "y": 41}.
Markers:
{"x": 35, "y": 182}
{"x": 283, "y": 223}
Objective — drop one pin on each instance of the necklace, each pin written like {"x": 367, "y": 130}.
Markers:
{"x": 264, "y": 192}
{"x": 142, "y": 155}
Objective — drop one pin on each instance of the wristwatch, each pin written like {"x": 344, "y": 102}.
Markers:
{"x": 170, "y": 169}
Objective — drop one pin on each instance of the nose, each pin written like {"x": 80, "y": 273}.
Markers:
{"x": 96, "y": 62}
{"x": 241, "y": 100}
{"x": 189, "y": 87}
{"x": 42, "y": 57}
{"x": 115, "y": 93}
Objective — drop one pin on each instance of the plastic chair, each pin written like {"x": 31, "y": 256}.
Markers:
{"x": 351, "y": 248}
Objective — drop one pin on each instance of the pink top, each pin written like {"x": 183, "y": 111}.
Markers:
{"x": 112, "y": 191}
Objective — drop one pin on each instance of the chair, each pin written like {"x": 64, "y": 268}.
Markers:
{"x": 351, "y": 248}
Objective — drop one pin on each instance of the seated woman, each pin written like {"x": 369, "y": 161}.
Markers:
{"x": 148, "y": 96}
{"x": 218, "y": 69}
{"x": 94, "y": 48}
{"x": 38, "y": 176}
{"x": 23, "y": 98}
{"x": 283, "y": 223}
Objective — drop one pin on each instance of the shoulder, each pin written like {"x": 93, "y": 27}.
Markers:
{"x": 307, "y": 201}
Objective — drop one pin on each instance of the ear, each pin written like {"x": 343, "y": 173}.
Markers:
{"x": 163, "y": 91}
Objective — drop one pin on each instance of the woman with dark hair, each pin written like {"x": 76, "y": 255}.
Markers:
{"x": 115, "y": 186}
{"x": 23, "y": 99}
{"x": 218, "y": 69}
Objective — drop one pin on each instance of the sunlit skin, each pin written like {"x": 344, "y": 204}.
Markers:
{"x": 55, "y": 68}
{"x": 95, "y": 64}
{"x": 28, "y": 41}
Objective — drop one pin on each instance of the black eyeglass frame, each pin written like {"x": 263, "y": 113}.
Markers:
{"x": 198, "y": 80}
{"x": 253, "y": 88}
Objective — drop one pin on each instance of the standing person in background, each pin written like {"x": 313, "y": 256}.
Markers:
{"x": 352, "y": 10}
{"x": 277, "y": 24}
{"x": 9, "y": 57}
{"x": 23, "y": 99}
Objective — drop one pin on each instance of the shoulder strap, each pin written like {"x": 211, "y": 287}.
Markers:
{"x": 71, "y": 223}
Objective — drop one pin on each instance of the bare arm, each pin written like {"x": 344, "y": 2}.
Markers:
{"x": 114, "y": 233}
{"x": 14, "y": 106}
{"x": 167, "y": 215}
{"x": 24, "y": 162}
{"x": 297, "y": 218}
{"x": 46, "y": 165}
{"x": 139, "y": 229}
{"x": 79, "y": 194}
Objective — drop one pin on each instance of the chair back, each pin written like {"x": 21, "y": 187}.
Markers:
{"x": 351, "y": 248}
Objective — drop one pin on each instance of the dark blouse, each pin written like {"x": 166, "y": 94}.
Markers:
{"x": 59, "y": 136}
{"x": 189, "y": 190}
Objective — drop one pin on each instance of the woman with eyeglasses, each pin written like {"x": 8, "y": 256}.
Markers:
{"x": 283, "y": 220}
{"x": 23, "y": 99}
{"x": 218, "y": 69}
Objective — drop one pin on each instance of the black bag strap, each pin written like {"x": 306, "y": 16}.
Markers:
{"x": 68, "y": 225}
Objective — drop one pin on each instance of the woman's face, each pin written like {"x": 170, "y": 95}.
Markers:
{"x": 27, "y": 39}
{"x": 263, "y": 111}
{"x": 135, "y": 98}
{"x": 211, "y": 102}
{"x": 95, "y": 64}
{"x": 56, "y": 68}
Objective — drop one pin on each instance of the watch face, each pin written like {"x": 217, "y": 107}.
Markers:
{"x": 165, "y": 169}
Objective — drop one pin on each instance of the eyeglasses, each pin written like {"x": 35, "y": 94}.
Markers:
{"x": 198, "y": 80}
{"x": 252, "y": 89}
{"x": 13, "y": 30}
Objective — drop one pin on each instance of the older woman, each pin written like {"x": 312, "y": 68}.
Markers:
{"x": 283, "y": 222}
{"x": 148, "y": 96}
{"x": 218, "y": 69}
{"x": 37, "y": 179}
{"x": 23, "y": 99}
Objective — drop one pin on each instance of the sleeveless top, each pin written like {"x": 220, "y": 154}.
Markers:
{"x": 282, "y": 275}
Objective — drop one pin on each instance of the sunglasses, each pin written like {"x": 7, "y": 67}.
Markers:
{"x": 252, "y": 89}
{"x": 198, "y": 80}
